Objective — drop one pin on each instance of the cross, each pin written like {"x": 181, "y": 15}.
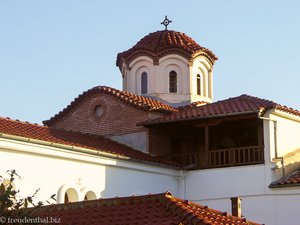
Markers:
{"x": 166, "y": 22}
{"x": 79, "y": 181}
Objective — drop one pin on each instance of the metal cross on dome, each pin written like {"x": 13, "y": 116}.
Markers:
{"x": 166, "y": 22}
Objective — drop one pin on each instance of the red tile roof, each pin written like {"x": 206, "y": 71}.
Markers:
{"x": 291, "y": 180}
{"x": 159, "y": 209}
{"x": 136, "y": 101}
{"x": 161, "y": 43}
{"x": 52, "y": 135}
{"x": 231, "y": 106}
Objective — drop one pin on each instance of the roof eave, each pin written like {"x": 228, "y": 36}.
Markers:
{"x": 149, "y": 123}
{"x": 284, "y": 185}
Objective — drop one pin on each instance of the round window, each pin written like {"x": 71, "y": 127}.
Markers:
{"x": 98, "y": 111}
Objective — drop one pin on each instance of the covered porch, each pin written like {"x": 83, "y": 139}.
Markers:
{"x": 210, "y": 143}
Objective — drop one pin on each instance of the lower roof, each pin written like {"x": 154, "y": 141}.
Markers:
{"x": 74, "y": 139}
{"x": 158, "y": 209}
{"x": 290, "y": 180}
{"x": 242, "y": 104}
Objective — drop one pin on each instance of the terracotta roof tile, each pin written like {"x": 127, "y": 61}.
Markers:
{"x": 136, "y": 101}
{"x": 231, "y": 106}
{"x": 163, "y": 209}
{"x": 160, "y": 43}
{"x": 291, "y": 180}
{"x": 58, "y": 136}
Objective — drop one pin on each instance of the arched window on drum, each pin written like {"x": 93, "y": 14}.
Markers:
{"x": 144, "y": 83}
{"x": 172, "y": 82}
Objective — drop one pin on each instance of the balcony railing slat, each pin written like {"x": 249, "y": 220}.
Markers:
{"x": 221, "y": 157}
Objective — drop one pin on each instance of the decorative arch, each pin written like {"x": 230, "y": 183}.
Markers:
{"x": 167, "y": 65}
{"x": 142, "y": 79}
{"x": 71, "y": 195}
{"x": 89, "y": 195}
{"x": 68, "y": 193}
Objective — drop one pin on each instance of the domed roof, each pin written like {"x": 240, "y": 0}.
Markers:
{"x": 164, "y": 42}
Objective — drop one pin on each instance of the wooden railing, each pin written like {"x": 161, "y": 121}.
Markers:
{"x": 220, "y": 157}
{"x": 191, "y": 160}
{"x": 236, "y": 156}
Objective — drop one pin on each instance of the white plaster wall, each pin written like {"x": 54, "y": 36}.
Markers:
{"x": 203, "y": 67}
{"x": 288, "y": 130}
{"x": 181, "y": 66}
{"x": 225, "y": 182}
{"x": 137, "y": 67}
{"x": 277, "y": 209}
{"x": 135, "y": 140}
{"x": 158, "y": 78}
{"x": 49, "y": 168}
{"x": 49, "y": 174}
{"x": 215, "y": 187}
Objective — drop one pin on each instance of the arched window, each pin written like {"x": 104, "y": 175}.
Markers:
{"x": 90, "y": 195}
{"x": 172, "y": 82}
{"x": 144, "y": 83}
{"x": 198, "y": 84}
{"x": 71, "y": 195}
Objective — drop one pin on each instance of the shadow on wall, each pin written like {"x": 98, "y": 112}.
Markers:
{"x": 291, "y": 164}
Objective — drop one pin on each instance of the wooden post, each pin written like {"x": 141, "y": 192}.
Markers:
{"x": 260, "y": 133}
{"x": 260, "y": 140}
{"x": 206, "y": 148}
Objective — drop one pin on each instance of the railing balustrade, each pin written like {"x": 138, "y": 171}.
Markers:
{"x": 220, "y": 157}
{"x": 236, "y": 156}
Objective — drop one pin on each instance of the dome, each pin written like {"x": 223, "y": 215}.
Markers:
{"x": 164, "y": 42}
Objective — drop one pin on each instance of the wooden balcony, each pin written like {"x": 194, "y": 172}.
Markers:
{"x": 236, "y": 156}
{"x": 221, "y": 157}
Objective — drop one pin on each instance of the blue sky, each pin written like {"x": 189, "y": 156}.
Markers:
{"x": 52, "y": 51}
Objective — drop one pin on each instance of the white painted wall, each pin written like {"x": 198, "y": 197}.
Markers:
{"x": 288, "y": 130}
{"x": 158, "y": 78}
{"x": 202, "y": 67}
{"x": 52, "y": 169}
{"x": 215, "y": 187}
{"x": 277, "y": 209}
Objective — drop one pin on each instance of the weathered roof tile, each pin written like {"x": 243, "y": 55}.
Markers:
{"x": 160, "y": 43}
{"x": 163, "y": 209}
{"x": 240, "y": 104}
{"x": 75, "y": 139}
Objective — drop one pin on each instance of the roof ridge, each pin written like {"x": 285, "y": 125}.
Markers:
{"x": 128, "y": 98}
{"x": 273, "y": 104}
{"x": 240, "y": 104}
{"x": 191, "y": 211}
{"x": 22, "y": 122}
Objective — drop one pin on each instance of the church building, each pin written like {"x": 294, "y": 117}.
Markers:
{"x": 163, "y": 133}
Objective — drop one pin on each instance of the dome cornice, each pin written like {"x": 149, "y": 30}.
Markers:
{"x": 161, "y": 43}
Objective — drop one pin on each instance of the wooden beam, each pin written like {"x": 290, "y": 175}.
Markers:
{"x": 260, "y": 133}
{"x": 205, "y": 157}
